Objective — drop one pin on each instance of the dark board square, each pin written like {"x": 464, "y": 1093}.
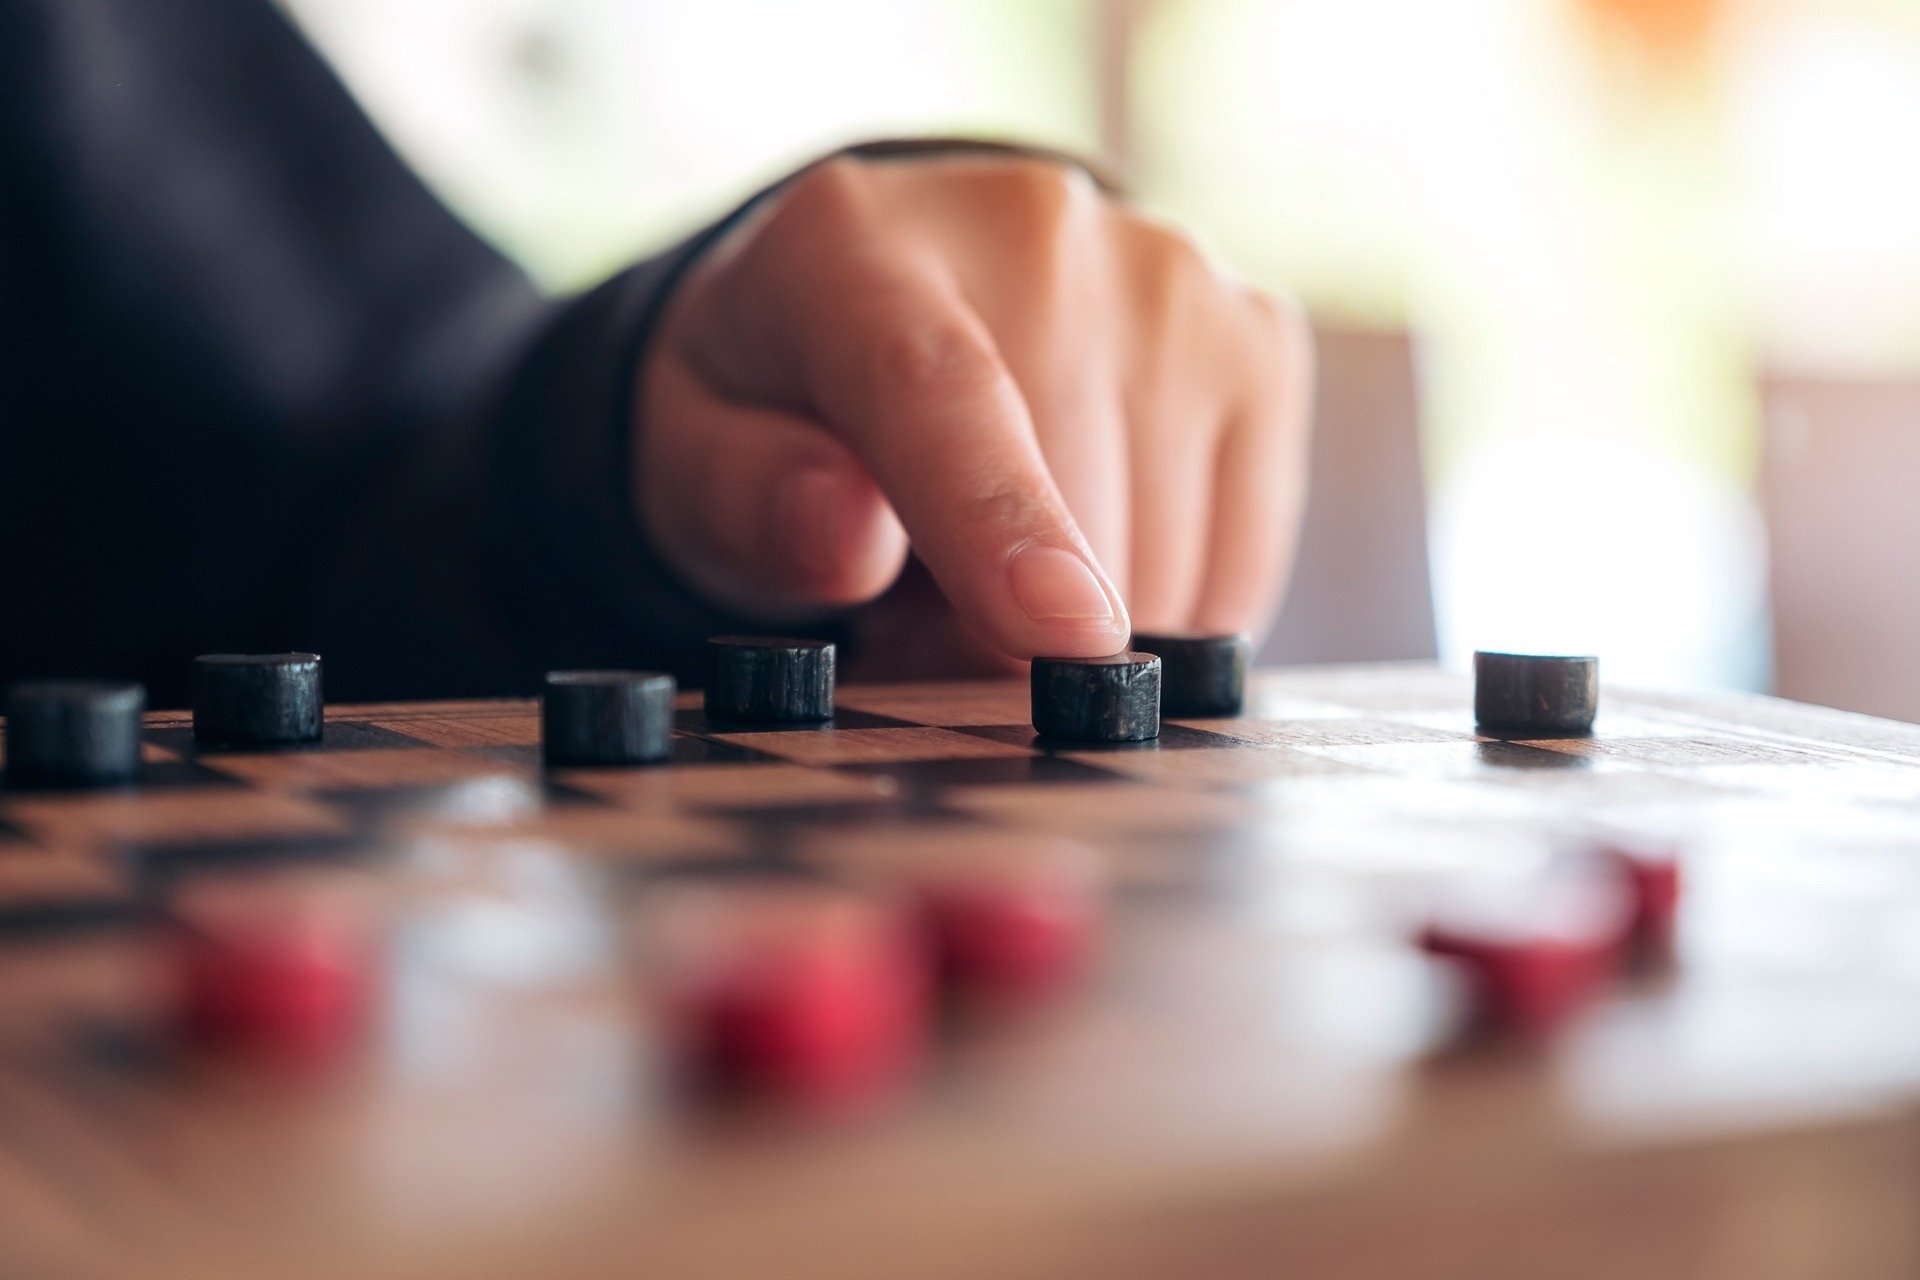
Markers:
{"x": 689, "y": 750}
{"x": 179, "y": 775}
{"x": 337, "y": 735}
{"x": 152, "y": 866}
{"x": 761, "y": 862}
{"x": 30, "y": 921}
{"x": 985, "y": 771}
{"x": 684, "y": 750}
{"x": 694, "y": 720}
{"x": 155, "y": 775}
{"x": 1173, "y": 737}
{"x": 361, "y": 735}
{"x": 844, "y": 813}
{"x": 1180, "y": 737}
{"x": 1015, "y": 735}
{"x": 177, "y": 738}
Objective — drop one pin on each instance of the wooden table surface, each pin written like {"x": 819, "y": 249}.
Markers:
{"x": 1261, "y": 1076}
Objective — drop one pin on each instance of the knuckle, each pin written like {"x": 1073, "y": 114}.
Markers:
{"x": 1038, "y": 215}
{"x": 1283, "y": 319}
{"x": 1171, "y": 269}
{"x": 934, "y": 356}
{"x": 832, "y": 193}
{"x": 1045, "y": 192}
{"x": 1169, "y": 250}
{"x": 1284, "y": 336}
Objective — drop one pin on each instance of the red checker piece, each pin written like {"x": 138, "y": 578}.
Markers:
{"x": 283, "y": 968}
{"x": 793, "y": 991}
{"x": 1652, "y": 876}
{"x": 1011, "y": 919}
{"x": 1529, "y": 984}
{"x": 1535, "y": 957}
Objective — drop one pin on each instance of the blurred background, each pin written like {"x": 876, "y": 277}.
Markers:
{"x": 1619, "y": 300}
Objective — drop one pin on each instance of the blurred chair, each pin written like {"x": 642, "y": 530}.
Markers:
{"x": 1838, "y": 489}
{"x": 1361, "y": 587}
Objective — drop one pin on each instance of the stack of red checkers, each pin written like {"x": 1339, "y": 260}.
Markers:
{"x": 1538, "y": 957}
{"x": 1537, "y": 953}
{"x": 1651, "y": 872}
{"x": 283, "y": 968}
{"x": 1527, "y": 983}
{"x": 791, "y": 990}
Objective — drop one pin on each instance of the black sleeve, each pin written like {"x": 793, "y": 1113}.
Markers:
{"x": 260, "y": 390}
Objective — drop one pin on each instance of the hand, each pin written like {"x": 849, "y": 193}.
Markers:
{"x": 1057, "y": 405}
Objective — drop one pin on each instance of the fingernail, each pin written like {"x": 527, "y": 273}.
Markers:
{"x": 809, "y": 520}
{"x": 1053, "y": 584}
